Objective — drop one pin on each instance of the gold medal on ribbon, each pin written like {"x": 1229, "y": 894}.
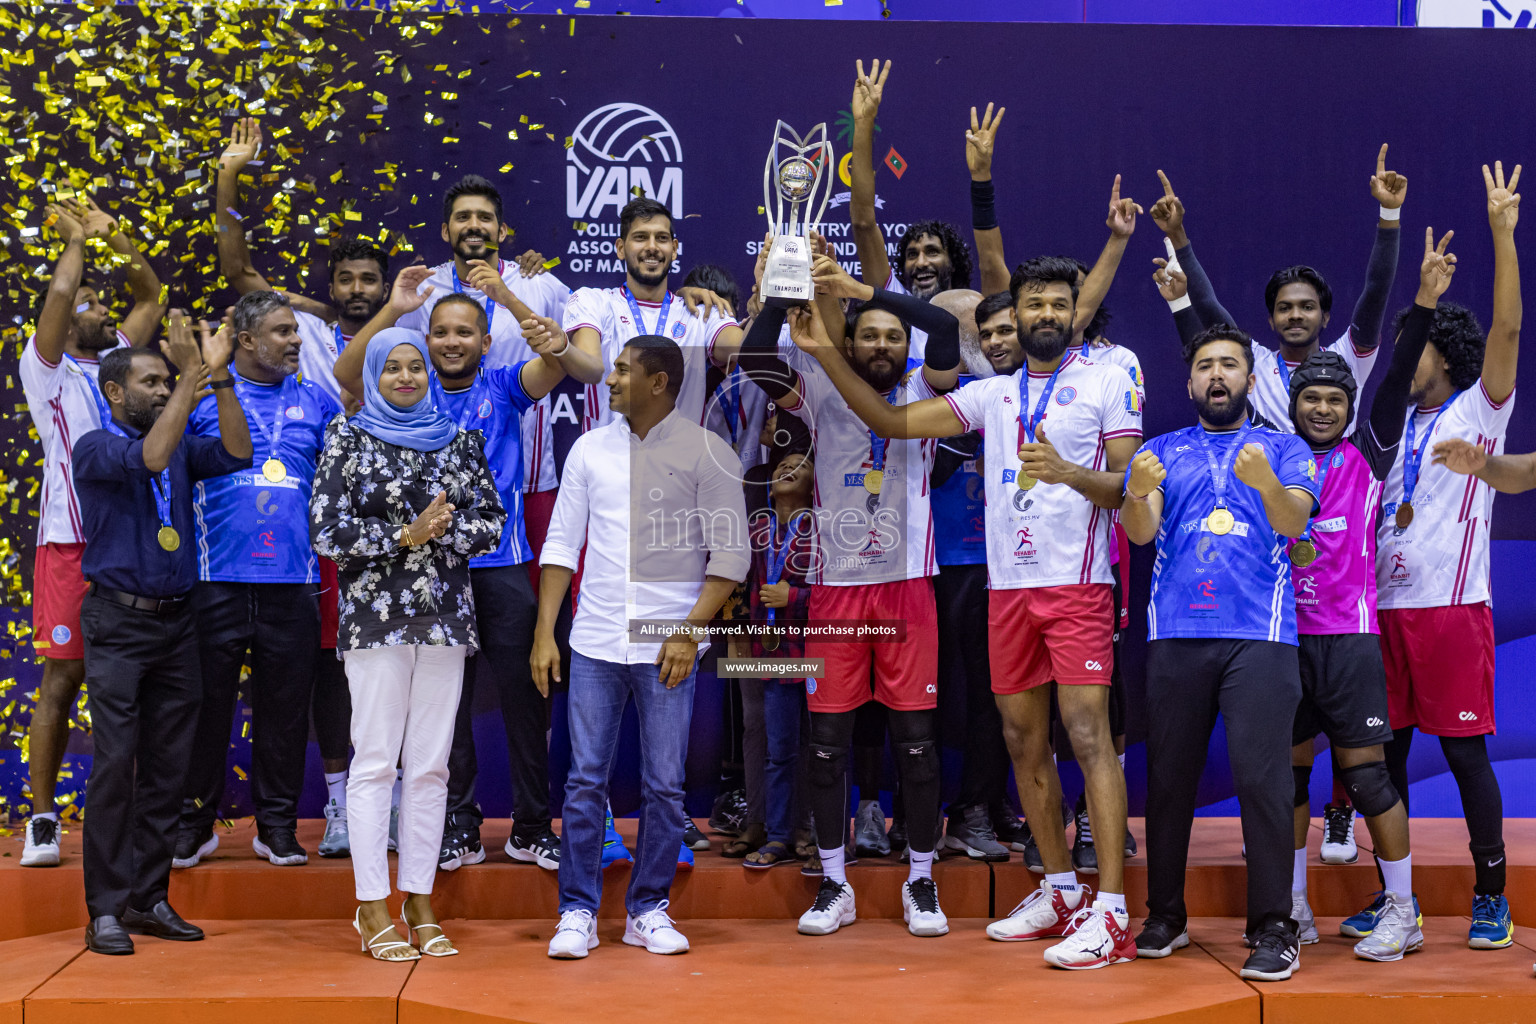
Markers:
{"x": 169, "y": 539}
{"x": 1025, "y": 481}
{"x": 1404, "y": 515}
{"x": 771, "y": 642}
{"x": 873, "y": 481}
{"x": 274, "y": 470}
{"x": 1303, "y": 554}
{"x": 1220, "y": 522}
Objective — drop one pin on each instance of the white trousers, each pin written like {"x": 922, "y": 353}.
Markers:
{"x": 404, "y": 700}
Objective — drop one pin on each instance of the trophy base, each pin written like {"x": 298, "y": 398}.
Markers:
{"x": 787, "y": 299}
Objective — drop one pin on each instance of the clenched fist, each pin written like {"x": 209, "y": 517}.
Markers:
{"x": 1147, "y": 475}
{"x": 1252, "y": 467}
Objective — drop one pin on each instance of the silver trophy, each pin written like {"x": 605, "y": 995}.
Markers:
{"x": 795, "y": 179}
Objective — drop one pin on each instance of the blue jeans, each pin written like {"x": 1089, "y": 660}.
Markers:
{"x": 598, "y": 692}
{"x": 783, "y": 704}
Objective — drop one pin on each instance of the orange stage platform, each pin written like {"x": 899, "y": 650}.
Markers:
{"x": 280, "y": 946}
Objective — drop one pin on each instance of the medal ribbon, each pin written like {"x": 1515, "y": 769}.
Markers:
{"x": 274, "y": 435}
{"x": 634, "y": 309}
{"x": 1322, "y": 481}
{"x": 730, "y": 402}
{"x": 469, "y": 412}
{"x": 159, "y": 486}
{"x": 777, "y": 557}
{"x": 1414, "y": 457}
{"x": 1027, "y": 427}
{"x": 458, "y": 287}
{"x": 1219, "y": 472}
{"x": 878, "y": 444}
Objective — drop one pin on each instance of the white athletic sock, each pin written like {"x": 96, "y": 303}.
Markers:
{"x": 1115, "y": 901}
{"x": 832, "y": 865}
{"x": 52, "y": 816}
{"x": 921, "y": 865}
{"x": 1397, "y": 875}
{"x": 394, "y": 794}
{"x": 336, "y": 788}
{"x": 1066, "y": 881}
{"x": 1299, "y": 871}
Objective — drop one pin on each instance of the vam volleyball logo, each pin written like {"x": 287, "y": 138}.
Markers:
{"x": 618, "y": 148}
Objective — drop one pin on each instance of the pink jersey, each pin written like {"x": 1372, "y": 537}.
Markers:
{"x": 1337, "y": 592}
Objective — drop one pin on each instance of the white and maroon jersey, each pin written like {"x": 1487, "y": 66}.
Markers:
{"x": 1118, "y": 355}
{"x": 1336, "y": 593}
{"x": 1049, "y": 535}
{"x": 1271, "y": 395}
{"x": 608, "y": 311}
{"x": 917, "y": 342}
{"x": 863, "y": 538}
{"x": 322, "y": 344}
{"x": 1441, "y": 558}
{"x": 546, "y": 296}
{"x": 62, "y": 400}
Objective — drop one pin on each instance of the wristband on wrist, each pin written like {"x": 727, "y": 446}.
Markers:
{"x": 227, "y": 382}
{"x": 1182, "y": 302}
{"x": 983, "y": 205}
{"x": 564, "y": 349}
{"x": 1392, "y": 214}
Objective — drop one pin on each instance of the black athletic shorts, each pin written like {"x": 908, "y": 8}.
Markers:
{"x": 1343, "y": 690}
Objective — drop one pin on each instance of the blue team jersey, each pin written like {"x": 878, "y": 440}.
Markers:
{"x": 960, "y": 512}
{"x": 1234, "y": 586}
{"x": 494, "y": 405}
{"x": 250, "y": 529}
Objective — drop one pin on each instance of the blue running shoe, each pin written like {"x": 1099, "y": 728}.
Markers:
{"x": 614, "y": 850}
{"x": 1363, "y": 923}
{"x": 684, "y": 858}
{"x": 1491, "y": 926}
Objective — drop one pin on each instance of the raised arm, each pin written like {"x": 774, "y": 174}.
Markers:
{"x": 54, "y": 322}
{"x": 759, "y": 358}
{"x": 1173, "y": 286}
{"x": 143, "y": 320}
{"x": 1141, "y": 511}
{"x": 932, "y": 417}
{"x": 1503, "y": 351}
{"x": 1507, "y": 474}
{"x": 234, "y": 254}
{"x": 218, "y": 346}
{"x": 1389, "y": 189}
{"x": 941, "y": 360}
{"x": 191, "y": 387}
{"x": 875, "y": 268}
{"x": 1390, "y": 405}
{"x": 984, "y": 228}
{"x": 584, "y": 361}
{"x": 1121, "y": 224}
{"x": 1168, "y": 214}
{"x": 539, "y": 376}
{"x": 403, "y": 299}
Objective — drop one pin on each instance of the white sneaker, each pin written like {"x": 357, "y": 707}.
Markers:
{"x": 1301, "y": 913}
{"x": 42, "y": 845}
{"x": 1097, "y": 937}
{"x": 1396, "y": 933}
{"x": 920, "y": 909}
{"x": 833, "y": 909}
{"x": 335, "y": 842}
{"x": 1339, "y": 835}
{"x": 1044, "y": 914}
{"x": 574, "y": 935}
{"x": 655, "y": 931}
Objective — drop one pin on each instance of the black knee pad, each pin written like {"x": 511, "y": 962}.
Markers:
{"x": 829, "y": 765}
{"x": 1302, "y": 774}
{"x": 1370, "y": 788}
{"x": 917, "y": 760}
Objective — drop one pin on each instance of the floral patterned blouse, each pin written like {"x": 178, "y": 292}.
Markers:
{"x": 365, "y": 491}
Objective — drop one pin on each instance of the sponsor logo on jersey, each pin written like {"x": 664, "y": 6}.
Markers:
{"x": 1093, "y": 666}
{"x": 294, "y": 412}
{"x": 1132, "y": 403}
{"x": 1066, "y": 395}
{"x": 484, "y": 412}
{"x": 1025, "y": 547}
{"x": 1399, "y": 571}
{"x": 1468, "y": 716}
{"x": 678, "y": 330}
{"x": 618, "y": 151}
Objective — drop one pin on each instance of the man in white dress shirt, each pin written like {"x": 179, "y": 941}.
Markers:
{"x": 655, "y": 499}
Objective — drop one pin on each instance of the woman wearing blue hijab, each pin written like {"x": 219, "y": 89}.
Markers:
{"x": 403, "y": 500}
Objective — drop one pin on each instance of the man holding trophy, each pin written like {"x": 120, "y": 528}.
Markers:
{"x": 873, "y": 529}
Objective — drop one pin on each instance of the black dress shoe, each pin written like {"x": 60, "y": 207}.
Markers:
{"x": 162, "y": 922}
{"x": 107, "y": 935}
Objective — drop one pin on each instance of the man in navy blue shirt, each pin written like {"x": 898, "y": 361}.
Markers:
{"x": 259, "y": 579}
{"x": 134, "y": 480}
{"x": 1220, "y": 498}
{"x": 491, "y": 400}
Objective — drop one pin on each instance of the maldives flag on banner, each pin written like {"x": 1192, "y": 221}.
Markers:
{"x": 894, "y": 161}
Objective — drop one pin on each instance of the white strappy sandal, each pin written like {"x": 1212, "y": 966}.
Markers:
{"x": 376, "y": 951}
{"x": 431, "y": 946}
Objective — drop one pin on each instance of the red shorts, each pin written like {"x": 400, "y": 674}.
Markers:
{"x": 58, "y": 588}
{"x": 1439, "y": 668}
{"x": 906, "y": 674}
{"x": 1038, "y": 634}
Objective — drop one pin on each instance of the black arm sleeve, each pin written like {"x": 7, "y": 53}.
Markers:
{"x": 983, "y": 205}
{"x": 1389, "y": 407}
{"x": 1188, "y": 322}
{"x": 1209, "y": 308}
{"x": 759, "y": 355}
{"x": 943, "y": 330}
{"x": 953, "y": 452}
{"x": 1372, "y": 305}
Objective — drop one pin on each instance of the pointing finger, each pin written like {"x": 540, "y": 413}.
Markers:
{"x": 1167, "y": 185}
{"x": 1381, "y": 161}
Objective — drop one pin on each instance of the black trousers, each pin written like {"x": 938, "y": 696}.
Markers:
{"x": 143, "y": 689}
{"x": 505, "y": 613}
{"x": 967, "y": 710}
{"x": 331, "y": 706}
{"x": 278, "y": 625}
{"x": 1255, "y": 685}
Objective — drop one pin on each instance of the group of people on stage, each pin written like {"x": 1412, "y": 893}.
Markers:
{"x": 369, "y": 501}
